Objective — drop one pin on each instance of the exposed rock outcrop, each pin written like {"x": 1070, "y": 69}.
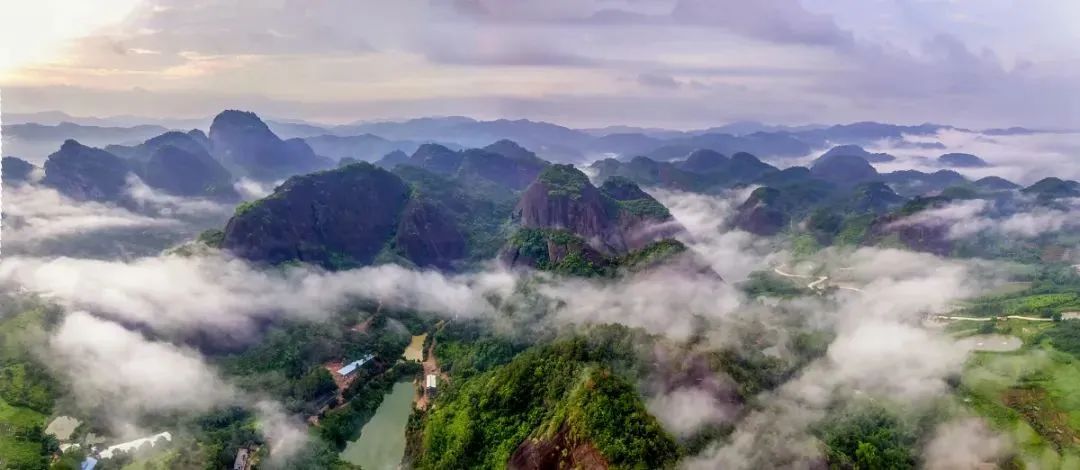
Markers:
{"x": 339, "y": 218}
{"x": 567, "y": 223}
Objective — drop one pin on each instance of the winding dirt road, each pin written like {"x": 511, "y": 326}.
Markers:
{"x": 816, "y": 284}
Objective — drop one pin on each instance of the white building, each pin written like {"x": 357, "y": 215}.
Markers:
{"x": 354, "y": 366}
{"x": 133, "y": 445}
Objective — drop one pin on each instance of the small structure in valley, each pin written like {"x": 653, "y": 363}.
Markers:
{"x": 133, "y": 445}
{"x": 352, "y": 367}
{"x": 431, "y": 383}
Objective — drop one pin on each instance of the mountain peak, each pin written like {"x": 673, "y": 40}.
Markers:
{"x": 244, "y": 144}
{"x": 858, "y": 151}
{"x": 962, "y": 160}
{"x": 843, "y": 169}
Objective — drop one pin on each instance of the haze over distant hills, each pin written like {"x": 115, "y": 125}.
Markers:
{"x": 34, "y": 136}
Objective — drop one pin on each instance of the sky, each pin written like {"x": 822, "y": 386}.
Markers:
{"x": 584, "y": 63}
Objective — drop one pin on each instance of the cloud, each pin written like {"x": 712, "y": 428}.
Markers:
{"x": 731, "y": 252}
{"x": 966, "y": 443}
{"x": 228, "y": 297}
{"x": 284, "y": 433}
{"x": 658, "y": 80}
{"x": 33, "y": 214}
{"x": 111, "y": 367}
{"x": 879, "y": 352}
{"x": 562, "y": 11}
{"x": 118, "y": 371}
{"x": 243, "y": 27}
{"x": 40, "y": 220}
{"x": 1021, "y": 158}
{"x": 686, "y": 410}
{"x": 250, "y": 189}
{"x": 501, "y": 52}
{"x": 668, "y": 302}
{"x": 779, "y": 60}
{"x": 165, "y": 205}
{"x": 782, "y": 21}
{"x": 968, "y": 218}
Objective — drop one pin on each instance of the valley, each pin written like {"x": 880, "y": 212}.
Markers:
{"x": 487, "y": 307}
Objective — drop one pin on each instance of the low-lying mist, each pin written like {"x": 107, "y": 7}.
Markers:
{"x": 124, "y": 345}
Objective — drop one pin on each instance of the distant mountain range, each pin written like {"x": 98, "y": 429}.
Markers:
{"x": 432, "y": 205}
{"x": 33, "y": 136}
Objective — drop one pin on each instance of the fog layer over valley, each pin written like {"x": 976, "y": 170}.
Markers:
{"x": 696, "y": 308}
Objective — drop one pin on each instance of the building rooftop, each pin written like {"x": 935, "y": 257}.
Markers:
{"x": 354, "y": 365}
{"x": 132, "y": 445}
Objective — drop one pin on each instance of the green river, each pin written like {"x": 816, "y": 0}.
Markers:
{"x": 382, "y": 440}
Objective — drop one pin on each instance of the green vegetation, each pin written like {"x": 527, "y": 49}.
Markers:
{"x": 651, "y": 255}
{"x": 212, "y": 238}
{"x": 466, "y": 348}
{"x": 287, "y": 363}
{"x": 564, "y": 181}
{"x": 578, "y": 259}
{"x": 561, "y": 391}
{"x": 1065, "y": 336}
{"x": 1031, "y": 396}
{"x": 804, "y": 244}
{"x": 645, "y": 207}
{"x": 854, "y": 230}
{"x": 363, "y": 396}
{"x": 533, "y": 244}
{"x": 769, "y": 284}
{"x": 869, "y": 437}
{"x": 27, "y": 393}
{"x": 245, "y": 207}
{"x": 480, "y": 212}
{"x": 920, "y": 203}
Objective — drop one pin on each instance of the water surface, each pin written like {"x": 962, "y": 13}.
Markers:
{"x": 382, "y": 440}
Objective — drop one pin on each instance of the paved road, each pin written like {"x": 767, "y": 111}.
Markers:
{"x": 1013, "y": 317}
{"x": 816, "y": 284}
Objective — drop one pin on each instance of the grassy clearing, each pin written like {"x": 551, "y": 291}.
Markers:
{"x": 1032, "y": 395}
{"x": 17, "y": 452}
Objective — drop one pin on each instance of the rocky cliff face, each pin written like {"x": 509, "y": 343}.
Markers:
{"x": 562, "y": 214}
{"x": 563, "y": 198}
{"x": 244, "y": 144}
{"x": 428, "y": 236}
{"x": 361, "y": 214}
{"x": 760, "y": 213}
{"x": 86, "y": 173}
{"x": 339, "y": 218}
